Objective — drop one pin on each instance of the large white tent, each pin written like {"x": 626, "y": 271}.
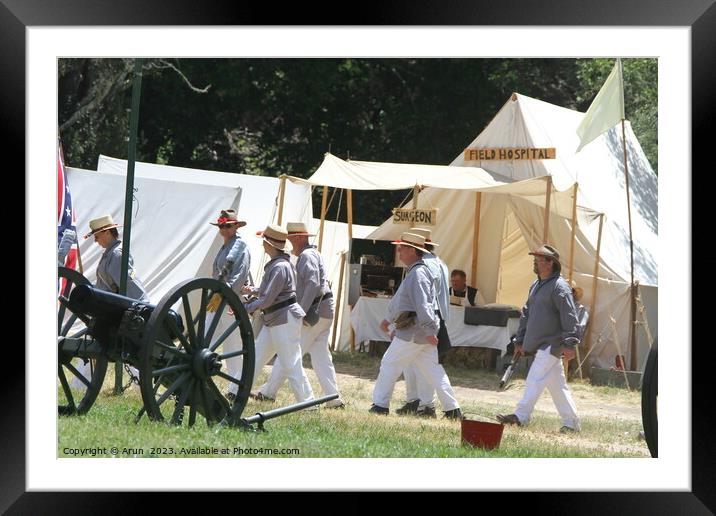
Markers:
{"x": 171, "y": 239}
{"x": 512, "y": 200}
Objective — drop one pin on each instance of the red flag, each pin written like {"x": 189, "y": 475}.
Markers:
{"x": 66, "y": 217}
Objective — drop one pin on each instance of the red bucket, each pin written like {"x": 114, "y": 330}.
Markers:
{"x": 481, "y": 434}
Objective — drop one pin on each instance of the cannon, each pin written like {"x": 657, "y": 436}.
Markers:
{"x": 172, "y": 344}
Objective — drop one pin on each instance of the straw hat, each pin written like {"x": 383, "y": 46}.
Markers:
{"x": 274, "y": 235}
{"x": 298, "y": 229}
{"x": 425, "y": 233}
{"x": 548, "y": 252}
{"x": 228, "y": 217}
{"x": 413, "y": 240}
{"x": 101, "y": 224}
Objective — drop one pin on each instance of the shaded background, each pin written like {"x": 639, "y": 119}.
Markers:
{"x": 279, "y": 116}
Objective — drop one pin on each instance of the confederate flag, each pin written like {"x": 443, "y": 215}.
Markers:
{"x": 66, "y": 218}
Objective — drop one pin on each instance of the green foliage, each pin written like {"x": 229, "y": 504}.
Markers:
{"x": 280, "y": 116}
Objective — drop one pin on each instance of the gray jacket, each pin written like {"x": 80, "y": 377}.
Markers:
{"x": 549, "y": 317}
{"x": 109, "y": 274}
{"x": 440, "y": 274}
{"x": 240, "y": 271}
{"x": 311, "y": 281}
{"x": 416, "y": 294}
{"x": 277, "y": 285}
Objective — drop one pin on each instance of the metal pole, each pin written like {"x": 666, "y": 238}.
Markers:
{"x": 129, "y": 191}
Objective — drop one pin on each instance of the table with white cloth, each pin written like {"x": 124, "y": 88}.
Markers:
{"x": 369, "y": 311}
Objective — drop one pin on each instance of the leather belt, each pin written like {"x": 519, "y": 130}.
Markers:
{"x": 327, "y": 295}
{"x": 288, "y": 302}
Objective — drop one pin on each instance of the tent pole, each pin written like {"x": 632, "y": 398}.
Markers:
{"x": 475, "y": 239}
{"x": 548, "y": 198}
{"x": 338, "y": 302}
{"x": 281, "y": 193}
{"x": 574, "y": 232}
{"x": 323, "y": 217}
{"x": 632, "y": 316}
{"x": 593, "y": 304}
{"x": 416, "y": 194}
{"x": 349, "y": 207}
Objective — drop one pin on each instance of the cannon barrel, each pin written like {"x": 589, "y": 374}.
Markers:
{"x": 94, "y": 302}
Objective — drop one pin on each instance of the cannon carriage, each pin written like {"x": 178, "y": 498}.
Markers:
{"x": 174, "y": 345}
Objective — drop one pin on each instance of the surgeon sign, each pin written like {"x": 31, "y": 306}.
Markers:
{"x": 415, "y": 217}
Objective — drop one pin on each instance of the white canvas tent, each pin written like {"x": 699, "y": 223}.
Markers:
{"x": 512, "y": 214}
{"x": 171, "y": 238}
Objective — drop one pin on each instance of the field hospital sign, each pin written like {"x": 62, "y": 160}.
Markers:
{"x": 415, "y": 216}
{"x": 510, "y": 154}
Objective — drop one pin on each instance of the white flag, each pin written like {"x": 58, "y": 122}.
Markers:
{"x": 607, "y": 108}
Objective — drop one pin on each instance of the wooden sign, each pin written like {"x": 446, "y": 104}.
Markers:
{"x": 520, "y": 154}
{"x": 415, "y": 217}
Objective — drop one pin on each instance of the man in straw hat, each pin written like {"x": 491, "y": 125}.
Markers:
{"x": 282, "y": 314}
{"x": 418, "y": 392}
{"x": 231, "y": 265}
{"x": 412, "y": 311}
{"x": 547, "y": 330}
{"x": 316, "y": 299}
{"x": 109, "y": 268}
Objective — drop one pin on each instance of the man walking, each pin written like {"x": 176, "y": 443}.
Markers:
{"x": 419, "y": 394}
{"x": 282, "y": 314}
{"x": 412, "y": 311}
{"x": 316, "y": 299}
{"x": 547, "y": 330}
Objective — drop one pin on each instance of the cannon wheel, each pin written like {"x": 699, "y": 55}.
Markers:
{"x": 180, "y": 367}
{"x": 74, "y": 400}
{"x": 649, "y": 398}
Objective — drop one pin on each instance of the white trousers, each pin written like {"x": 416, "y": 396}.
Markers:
{"x": 284, "y": 340}
{"x": 232, "y": 343}
{"x": 314, "y": 341}
{"x": 417, "y": 387}
{"x": 399, "y": 355}
{"x": 547, "y": 371}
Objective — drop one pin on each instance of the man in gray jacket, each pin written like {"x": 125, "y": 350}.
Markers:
{"x": 414, "y": 340}
{"x": 282, "y": 314}
{"x": 315, "y": 297}
{"x": 109, "y": 267}
{"x": 547, "y": 330}
{"x": 419, "y": 394}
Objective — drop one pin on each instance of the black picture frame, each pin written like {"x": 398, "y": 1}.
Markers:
{"x": 700, "y": 16}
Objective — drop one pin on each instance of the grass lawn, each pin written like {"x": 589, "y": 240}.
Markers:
{"x": 611, "y": 423}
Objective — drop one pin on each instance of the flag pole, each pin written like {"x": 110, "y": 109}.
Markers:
{"x": 129, "y": 191}
{"x": 632, "y": 310}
